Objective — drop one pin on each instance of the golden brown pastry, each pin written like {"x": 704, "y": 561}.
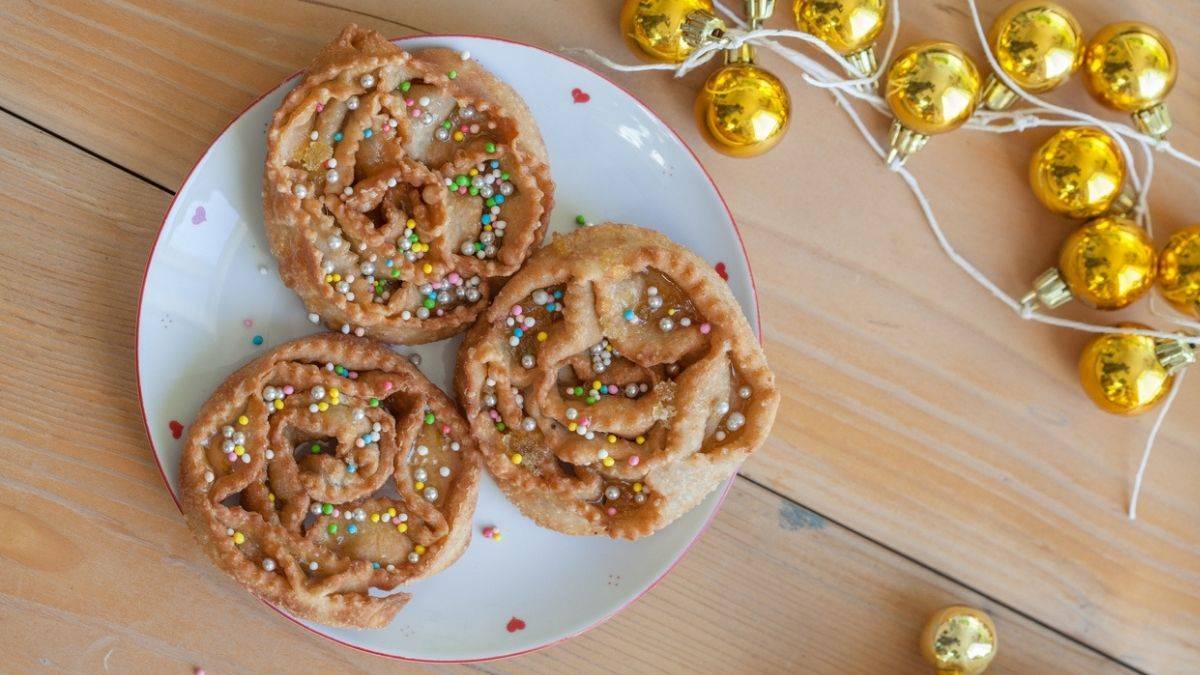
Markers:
{"x": 614, "y": 383}
{"x": 287, "y": 478}
{"x": 402, "y": 189}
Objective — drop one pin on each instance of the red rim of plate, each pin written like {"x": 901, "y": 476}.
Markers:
{"x": 653, "y": 115}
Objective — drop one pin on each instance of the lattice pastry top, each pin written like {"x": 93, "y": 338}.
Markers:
{"x": 614, "y": 383}
{"x": 327, "y": 467}
{"x": 402, "y": 189}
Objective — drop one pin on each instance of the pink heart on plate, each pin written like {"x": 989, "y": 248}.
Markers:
{"x": 199, "y": 216}
{"x": 580, "y": 96}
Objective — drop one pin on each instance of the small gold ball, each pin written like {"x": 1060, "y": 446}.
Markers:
{"x": 653, "y": 29}
{"x": 847, "y": 26}
{"x": 1122, "y": 374}
{"x": 1130, "y": 66}
{"x": 1179, "y": 271}
{"x": 932, "y": 87}
{"x": 1078, "y": 172}
{"x": 1038, "y": 44}
{"x": 959, "y": 639}
{"x": 1108, "y": 263}
{"x": 743, "y": 110}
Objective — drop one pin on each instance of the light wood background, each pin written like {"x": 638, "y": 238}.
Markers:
{"x": 931, "y": 448}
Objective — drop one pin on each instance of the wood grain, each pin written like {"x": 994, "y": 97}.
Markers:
{"x": 102, "y": 574}
{"x": 916, "y": 409}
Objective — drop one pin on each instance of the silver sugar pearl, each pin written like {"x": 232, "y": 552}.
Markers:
{"x": 431, "y": 493}
{"x": 735, "y": 421}
{"x": 612, "y": 492}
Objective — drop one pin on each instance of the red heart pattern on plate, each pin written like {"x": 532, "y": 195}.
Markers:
{"x": 176, "y": 429}
{"x": 515, "y": 624}
{"x": 580, "y": 96}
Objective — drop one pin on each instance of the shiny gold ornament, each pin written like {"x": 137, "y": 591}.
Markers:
{"x": 932, "y": 87}
{"x": 668, "y": 31}
{"x": 1038, "y": 44}
{"x": 1128, "y": 374}
{"x": 1080, "y": 173}
{"x": 960, "y": 640}
{"x": 1179, "y": 271}
{"x": 742, "y": 109}
{"x": 848, "y": 26}
{"x": 1108, "y": 263}
{"x": 1131, "y": 67}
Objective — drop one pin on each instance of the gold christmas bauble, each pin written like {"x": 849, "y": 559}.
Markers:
{"x": 1122, "y": 373}
{"x": 1108, "y": 263}
{"x": 848, "y": 26}
{"x": 1078, "y": 172}
{"x": 1179, "y": 271}
{"x": 1038, "y": 44}
{"x": 960, "y": 640}
{"x": 654, "y": 29}
{"x": 743, "y": 110}
{"x": 1130, "y": 66}
{"x": 932, "y": 87}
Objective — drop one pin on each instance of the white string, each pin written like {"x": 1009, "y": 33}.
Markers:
{"x": 1141, "y": 472}
{"x": 1039, "y": 114}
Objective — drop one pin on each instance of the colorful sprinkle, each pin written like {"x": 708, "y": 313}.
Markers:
{"x": 257, "y": 340}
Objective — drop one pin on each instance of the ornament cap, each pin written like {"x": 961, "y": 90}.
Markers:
{"x": 1124, "y": 202}
{"x": 758, "y": 11}
{"x": 996, "y": 95}
{"x": 1155, "y": 121}
{"x": 904, "y": 142}
{"x": 700, "y": 27}
{"x": 1175, "y": 355}
{"x": 743, "y": 53}
{"x": 864, "y": 63}
{"x": 1049, "y": 290}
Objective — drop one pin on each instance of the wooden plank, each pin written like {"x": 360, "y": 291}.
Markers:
{"x": 916, "y": 410}
{"x": 102, "y": 574}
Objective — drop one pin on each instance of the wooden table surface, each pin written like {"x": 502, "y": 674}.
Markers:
{"x": 931, "y": 448}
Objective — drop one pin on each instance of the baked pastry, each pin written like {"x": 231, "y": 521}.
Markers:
{"x": 287, "y": 478}
{"x": 402, "y": 189}
{"x": 614, "y": 383}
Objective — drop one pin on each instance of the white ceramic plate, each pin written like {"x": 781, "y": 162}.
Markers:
{"x": 211, "y": 287}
